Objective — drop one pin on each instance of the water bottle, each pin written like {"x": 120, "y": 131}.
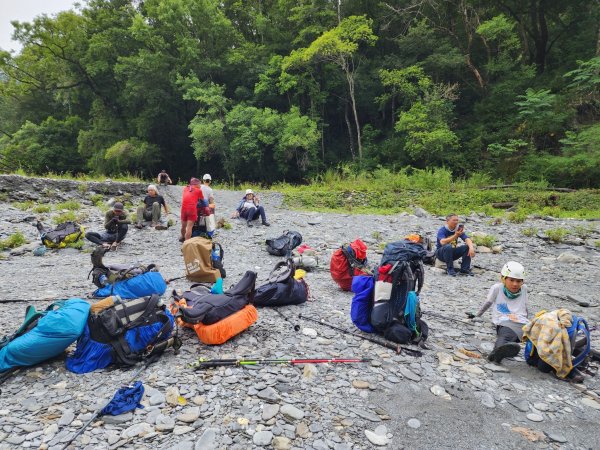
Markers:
{"x": 216, "y": 258}
{"x": 103, "y": 280}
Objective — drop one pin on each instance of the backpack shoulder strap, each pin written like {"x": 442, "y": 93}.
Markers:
{"x": 582, "y": 326}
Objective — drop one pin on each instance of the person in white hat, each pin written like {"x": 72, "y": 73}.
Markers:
{"x": 251, "y": 209}
{"x": 207, "y": 191}
{"x": 509, "y": 313}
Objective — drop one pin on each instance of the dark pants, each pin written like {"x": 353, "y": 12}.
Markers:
{"x": 254, "y": 213}
{"x": 108, "y": 237}
{"x": 449, "y": 254}
{"x": 504, "y": 336}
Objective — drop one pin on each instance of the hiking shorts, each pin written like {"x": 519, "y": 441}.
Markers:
{"x": 189, "y": 214}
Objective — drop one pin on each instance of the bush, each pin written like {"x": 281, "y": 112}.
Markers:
{"x": 14, "y": 240}
{"x": 97, "y": 199}
{"x": 557, "y": 235}
{"x": 71, "y": 205}
{"x": 486, "y": 241}
{"x": 530, "y": 231}
{"x": 40, "y": 209}
{"x": 583, "y": 231}
{"x": 518, "y": 216}
{"x": 24, "y": 206}
{"x": 65, "y": 217}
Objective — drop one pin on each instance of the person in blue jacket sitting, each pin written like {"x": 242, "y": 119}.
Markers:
{"x": 448, "y": 249}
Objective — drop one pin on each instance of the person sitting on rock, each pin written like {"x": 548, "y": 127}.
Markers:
{"x": 150, "y": 210}
{"x": 192, "y": 194}
{"x": 250, "y": 209}
{"x": 447, "y": 249}
{"x": 509, "y": 301}
{"x": 116, "y": 225}
{"x": 207, "y": 192}
{"x": 163, "y": 178}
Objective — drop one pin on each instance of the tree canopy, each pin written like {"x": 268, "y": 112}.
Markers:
{"x": 269, "y": 90}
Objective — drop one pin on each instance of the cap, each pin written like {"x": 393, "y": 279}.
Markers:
{"x": 206, "y": 176}
{"x": 194, "y": 181}
{"x": 118, "y": 206}
{"x": 249, "y": 191}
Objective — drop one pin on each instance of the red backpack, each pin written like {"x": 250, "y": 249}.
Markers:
{"x": 348, "y": 261}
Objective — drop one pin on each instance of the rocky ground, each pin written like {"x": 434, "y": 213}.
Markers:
{"x": 444, "y": 399}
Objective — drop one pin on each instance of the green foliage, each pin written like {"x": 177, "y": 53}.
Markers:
{"x": 68, "y": 216}
{"x": 557, "y": 235}
{"x": 40, "y": 209}
{"x": 486, "y": 241}
{"x": 71, "y": 205}
{"x": 518, "y": 216}
{"x": 584, "y": 231}
{"x": 530, "y": 231}
{"x": 97, "y": 199}
{"x": 131, "y": 154}
{"x": 24, "y": 206}
{"x": 14, "y": 240}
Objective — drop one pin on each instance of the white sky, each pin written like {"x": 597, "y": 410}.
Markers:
{"x": 25, "y": 11}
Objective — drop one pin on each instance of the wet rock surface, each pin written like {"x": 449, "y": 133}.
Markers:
{"x": 443, "y": 399}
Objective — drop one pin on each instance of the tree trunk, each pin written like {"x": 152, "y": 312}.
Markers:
{"x": 350, "y": 135}
{"x": 350, "y": 78}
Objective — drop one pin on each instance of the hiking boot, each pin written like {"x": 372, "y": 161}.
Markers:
{"x": 575, "y": 376}
{"x": 181, "y": 239}
{"x": 139, "y": 226}
{"x": 468, "y": 272}
{"x": 266, "y": 224}
{"x": 505, "y": 351}
{"x": 249, "y": 223}
{"x": 160, "y": 227}
{"x": 452, "y": 272}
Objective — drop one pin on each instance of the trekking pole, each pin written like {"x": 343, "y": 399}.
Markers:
{"x": 208, "y": 363}
{"x": 175, "y": 279}
{"x": 296, "y": 326}
{"x": 396, "y": 347}
{"x": 97, "y": 413}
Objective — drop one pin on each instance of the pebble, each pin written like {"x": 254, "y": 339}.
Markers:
{"x": 535, "y": 417}
{"x": 66, "y": 418}
{"x": 262, "y": 438}
{"x": 208, "y": 440}
{"x": 406, "y": 373}
{"x": 496, "y": 368}
{"x": 440, "y": 392}
{"x": 414, "y": 423}
{"x": 172, "y": 395}
{"x": 556, "y": 437}
{"x": 139, "y": 429}
{"x": 189, "y": 415}
{"x": 310, "y": 332}
{"x": 487, "y": 400}
{"x": 268, "y": 394}
{"x": 157, "y": 399}
{"x": 521, "y": 405}
{"x": 115, "y": 420}
{"x": 292, "y": 412}
{"x": 281, "y": 443}
{"x": 360, "y": 384}
{"x": 591, "y": 403}
{"x": 376, "y": 439}
{"x": 269, "y": 411}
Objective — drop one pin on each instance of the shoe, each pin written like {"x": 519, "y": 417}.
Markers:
{"x": 467, "y": 272}
{"x": 452, "y": 272}
{"x": 139, "y": 226}
{"x": 266, "y": 224}
{"x": 506, "y": 351}
{"x": 249, "y": 223}
{"x": 160, "y": 227}
{"x": 181, "y": 239}
{"x": 575, "y": 376}
{"x": 114, "y": 246}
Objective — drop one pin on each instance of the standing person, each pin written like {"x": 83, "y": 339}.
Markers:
{"x": 163, "y": 178}
{"x": 448, "y": 249}
{"x": 250, "y": 209}
{"x": 207, "y": 192}
{"x": 116, "y": 225}
{"x": 189, "y": 208}
{"x": 150, "y": 210}
{"x": 509, "y": 314}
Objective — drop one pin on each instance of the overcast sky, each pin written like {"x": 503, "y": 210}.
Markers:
{"x": 25, "y": 11}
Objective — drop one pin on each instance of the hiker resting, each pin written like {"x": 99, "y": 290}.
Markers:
{"x": 509, "y": 313}
{"x": 250, "y": 209}
{"x": 207, "y": 192}
{"x": 189, "y": 212}
{"x": 115, "y": 223}
{"x": 150, "y": 210}
{"x": 448, "y": 249}
{"x": 163, "y": 178}
{"x": 554, "y": 344}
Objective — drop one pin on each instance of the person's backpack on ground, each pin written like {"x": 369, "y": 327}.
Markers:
{"x": 65, "y": 233}
{"x": 123, "y": 333}
{"x": 216, "y": 318}
{"x": 126, "y": 281}
{"x": 348, "y": 261}
{"x": 203, "y": 260}
{"x": 282, "y": 288}
{"x": 44, "y": 334}
{"x": 284, "y": 244}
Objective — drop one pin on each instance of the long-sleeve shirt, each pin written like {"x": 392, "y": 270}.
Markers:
{"x": 505, "y": 309}
{"x": 110, "y": 215}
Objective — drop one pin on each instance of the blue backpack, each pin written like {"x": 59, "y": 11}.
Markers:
{"x": 578, "y": 327}
{"x": 142, "y": 285}
{"x": 362, "y": 302}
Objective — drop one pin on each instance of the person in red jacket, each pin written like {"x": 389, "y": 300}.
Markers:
{"x": 189, "y": 212}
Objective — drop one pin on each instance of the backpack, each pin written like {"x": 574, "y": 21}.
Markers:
{"x": 124, "y": 333}
{"x": 281, "y": 287}
{"x": 579, "y": 329}
{"x": 205, "y": 224}
{"x": 348, "y": 261}
{"x": 362, "y": 302}
{"x": 284, "y": 244}
{"x": 44, "y": 334}
{"x": 203, "y": 260}
{"x": 64, "y": 233}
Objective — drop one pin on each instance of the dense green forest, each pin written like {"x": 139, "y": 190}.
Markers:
{"x": 270, "y": 90}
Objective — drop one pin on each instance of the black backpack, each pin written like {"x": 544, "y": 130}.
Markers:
{"x": 284, "y": 244}
{"x": 109, "y": 274}
{"x": 282, "y": 288}
{"x": 206, "y": 308}
{"x": 111, "y": 324}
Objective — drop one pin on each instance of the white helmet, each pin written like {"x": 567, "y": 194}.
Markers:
{"x": 513, "y": 269}
{"x": 206, "y": 176}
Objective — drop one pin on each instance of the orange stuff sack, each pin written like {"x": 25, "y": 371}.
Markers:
{"x": 220, "y": 332}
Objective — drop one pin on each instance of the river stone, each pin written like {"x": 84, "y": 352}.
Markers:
{"x": 475, "y": 370}
{"x": 376, "y": 439}
{"x": 570, "y": 258}
{"x": 556, "y": 437}
{"x": 310, "y": 332}
{"x": 496, "y": 368}
{"x": 445, "y": 358}
{"x": 66, "y": 418}
{"x": 268, "y": 394}
{"x": 521, "y": 405}
{"x": 118, "y": 419}
{"x": 207, "y": 440}
{"x": 139, "y": 429}
{"x": 269, "y": 411}
{"x": 189, "y": 415}
{"x": 534, "y": 417}
{"x": 292, "y": 412}
{"x": 172, "y": 395}
{"x": 591, "y": 403}
{"x": 315, "y": 220}
{"x": 407, "y": 373}
{"x": 487, "y": 400}
{"x": 281, "y": 443}
{"x": 157, "y": 399}
{"x": 262, "y": 438}
{"x": 413, "y": 423}
{"x": 360, "y": 384}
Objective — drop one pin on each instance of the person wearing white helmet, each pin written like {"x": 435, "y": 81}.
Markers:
{"x": 207, "y": 191}
{"x": 509, "y": 314}
{"x": 251, "y": 209}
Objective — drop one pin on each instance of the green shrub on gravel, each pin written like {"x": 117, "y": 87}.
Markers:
{"x": 557, "y": 235}
{"x": 486, "y": 241}
{"x": 71, "y": 205}
{"x": 68, "y": 216}
{"x": 14, "y": 240}
{"x": 24, "y": 206}
{"x": 40, "y": 209}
